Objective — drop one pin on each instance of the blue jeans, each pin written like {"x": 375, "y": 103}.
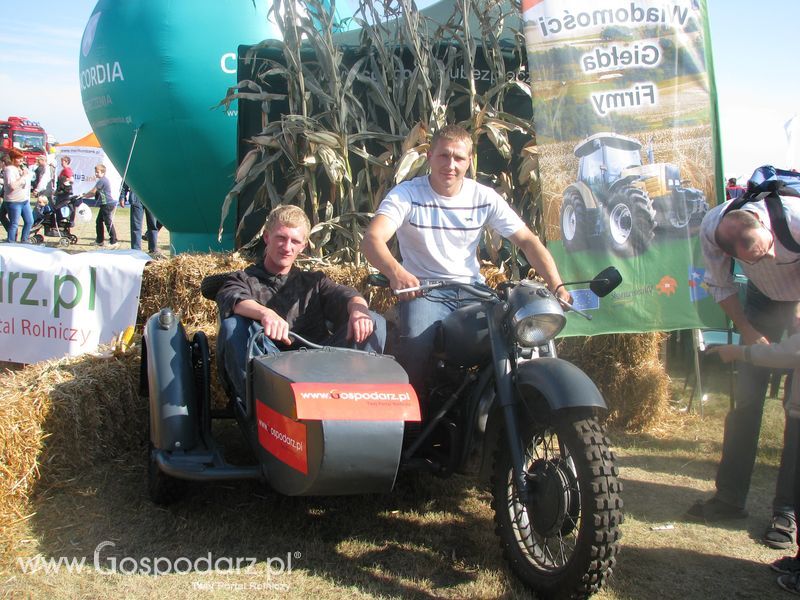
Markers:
{"x": 14, "y": 211}
{"x": 236, "y": 332}
{"x": 138, "y": 214}
{"x": 743, "y": 423}
{"x": 418, "y": 321}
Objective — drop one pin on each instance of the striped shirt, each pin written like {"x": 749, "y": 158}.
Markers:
{"x": 778, "y": 278}
{"x": 439, "y": 235}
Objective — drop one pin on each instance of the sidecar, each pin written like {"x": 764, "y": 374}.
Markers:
{"x": 318, "y": 421}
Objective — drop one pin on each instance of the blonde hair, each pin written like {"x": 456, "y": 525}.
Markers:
{"x": 289, "y": 216}
{"x": 101, "y": 167}
{"x": 453, "y": 133}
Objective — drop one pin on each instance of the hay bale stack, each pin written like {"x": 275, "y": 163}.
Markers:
{"x": 629, "y": 373}
{"x": 56, "y": 419}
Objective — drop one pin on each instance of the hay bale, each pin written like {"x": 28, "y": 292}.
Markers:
{"x": 629, "y": 373}
{"x": 56, "y": 419}
{"x": 176, "y": 283}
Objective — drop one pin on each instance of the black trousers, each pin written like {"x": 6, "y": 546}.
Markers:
{"x": 106, "y": 217}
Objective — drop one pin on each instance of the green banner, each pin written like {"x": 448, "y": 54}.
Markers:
{"x": 626, "y": 127}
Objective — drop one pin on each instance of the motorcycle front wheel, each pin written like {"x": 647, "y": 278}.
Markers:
{"x": 562, "y": 542}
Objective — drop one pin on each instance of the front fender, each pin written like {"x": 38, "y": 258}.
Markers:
{"x": 170, "y": 383}
{"x": 562, "y": 384}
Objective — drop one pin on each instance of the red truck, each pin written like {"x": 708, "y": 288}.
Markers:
{"x": 22, "y": 133}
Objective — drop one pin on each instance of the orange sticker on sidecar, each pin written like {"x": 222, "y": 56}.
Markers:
{"x": 282, "y": 437}
{"x": 356, "y": 401}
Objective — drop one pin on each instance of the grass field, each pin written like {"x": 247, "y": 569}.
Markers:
{"x": 430, "y": 538}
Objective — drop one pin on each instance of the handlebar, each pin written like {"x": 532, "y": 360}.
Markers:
{"x": 480, "y": 292}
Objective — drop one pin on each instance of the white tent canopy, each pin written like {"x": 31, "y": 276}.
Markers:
{"x": 84, "y": 154}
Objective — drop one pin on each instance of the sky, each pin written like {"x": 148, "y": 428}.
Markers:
{"x": 755, "y": 48}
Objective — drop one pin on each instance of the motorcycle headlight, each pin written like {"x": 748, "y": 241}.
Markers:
{"x": 537, "y": 330}
{"x": 536, "y": 316}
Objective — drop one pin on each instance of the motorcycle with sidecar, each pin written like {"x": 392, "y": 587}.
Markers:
{"x": 326, "y": 421}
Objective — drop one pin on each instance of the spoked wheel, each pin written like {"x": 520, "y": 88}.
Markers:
{"x": 37, "y": 239}
{"x": 63, "y": 242}
{"x": 562, "y": 541}
{"x": 73, "y": 239}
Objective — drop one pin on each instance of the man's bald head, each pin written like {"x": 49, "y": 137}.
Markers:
{"x": 737, "y": 231}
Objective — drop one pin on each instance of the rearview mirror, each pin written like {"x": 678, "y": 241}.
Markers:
{"x": 606, "y": 282}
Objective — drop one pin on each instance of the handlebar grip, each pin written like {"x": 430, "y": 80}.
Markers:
{"x": 377, "y": 280}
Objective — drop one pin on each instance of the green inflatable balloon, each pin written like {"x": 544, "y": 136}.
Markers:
{"x": 151, "y": 73}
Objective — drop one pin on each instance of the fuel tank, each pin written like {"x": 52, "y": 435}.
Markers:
{"x": 463, "y": 337}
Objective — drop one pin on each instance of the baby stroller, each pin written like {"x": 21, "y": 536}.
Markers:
{"x": 56, "y": 219}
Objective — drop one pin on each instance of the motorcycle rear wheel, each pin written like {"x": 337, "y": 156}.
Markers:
{"x": 563, "y": 542}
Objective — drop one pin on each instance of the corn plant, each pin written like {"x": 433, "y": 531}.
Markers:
{"x": 346, "y": 116}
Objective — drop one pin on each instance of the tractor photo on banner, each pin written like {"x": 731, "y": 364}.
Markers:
{"x": 626, "y": 129}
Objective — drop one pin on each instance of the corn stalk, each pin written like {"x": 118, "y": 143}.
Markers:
{"x": 345, "y": 122}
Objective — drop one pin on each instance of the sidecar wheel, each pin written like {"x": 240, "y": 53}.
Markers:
{"x": 162, "y": 488}
{"x": 563, "y": 541}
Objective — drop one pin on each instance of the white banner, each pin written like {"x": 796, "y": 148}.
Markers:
{"x": 53, "y": 303}
{"x": 83, "y": 161}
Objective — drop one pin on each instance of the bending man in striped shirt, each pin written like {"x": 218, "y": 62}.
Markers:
{"x": 747, "y": 235}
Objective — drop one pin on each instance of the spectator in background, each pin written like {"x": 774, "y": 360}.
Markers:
{"x": 139, "y": 210}
{"x": 733, "y": 190}
{"x": 65, "y": 180}
{"x": 42, "y": 183}
{"x": 6, "y": 161}
{"x": 107, "y": 204}
{"x": 17, "y": 195}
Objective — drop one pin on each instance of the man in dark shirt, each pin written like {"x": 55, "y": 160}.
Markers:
{"x": 276, "y": 297}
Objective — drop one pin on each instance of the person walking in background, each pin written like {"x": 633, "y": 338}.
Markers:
{"x": 106, "y": 205}
{"x": 748, "y": 236}
{"x": 138, "y": 211}
{"x": 17, "y": 195}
